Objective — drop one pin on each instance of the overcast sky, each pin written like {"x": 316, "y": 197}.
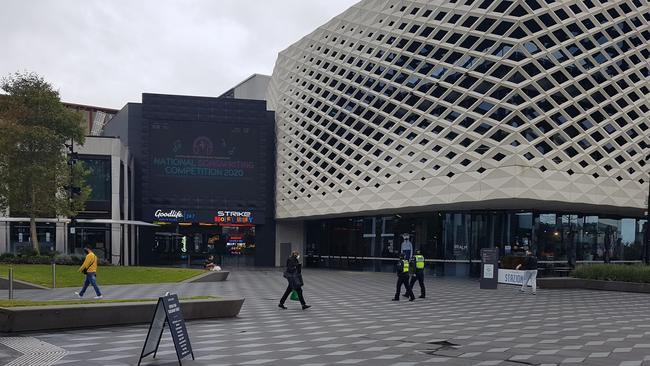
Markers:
{"x": 107, "y": 53}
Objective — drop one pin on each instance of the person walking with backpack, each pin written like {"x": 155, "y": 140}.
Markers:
{"x": 89, "y": 268}
{"x": 293, "y": 274}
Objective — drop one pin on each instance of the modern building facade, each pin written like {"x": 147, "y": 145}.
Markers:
{"x": 105, "y": 223}
{"x": 460, "y": 125}
{"x": 204, "y": 173}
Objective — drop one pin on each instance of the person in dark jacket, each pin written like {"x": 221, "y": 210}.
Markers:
{"x": 530, "y": 266}
{"x": 403, "y": 278}
{"x": 293, "y": 274}
{"x": 417, "y": 262}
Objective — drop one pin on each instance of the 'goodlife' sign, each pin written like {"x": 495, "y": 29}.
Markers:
{"x": 172, "y": 214}
{"x": 512, "y": 277}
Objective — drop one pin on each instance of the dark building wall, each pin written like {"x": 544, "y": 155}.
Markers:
{"x": 165, "y": 131}
{"x": 189, "y": 119}
{"x": 127, "y": 125}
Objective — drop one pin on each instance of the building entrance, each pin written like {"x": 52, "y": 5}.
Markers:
{"x": 183, "y": 244}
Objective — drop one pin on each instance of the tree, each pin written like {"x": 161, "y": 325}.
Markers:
{"x": 35, "y": 174}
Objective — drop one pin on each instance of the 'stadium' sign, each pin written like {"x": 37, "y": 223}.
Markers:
{"x": 168, "y": 311}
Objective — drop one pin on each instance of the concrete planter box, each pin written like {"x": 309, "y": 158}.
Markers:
{"x": 30, "y": 318}
{"x": 20, "y": 285}
{"x": 568, "y": 283}
{"x": 209, "y": 276}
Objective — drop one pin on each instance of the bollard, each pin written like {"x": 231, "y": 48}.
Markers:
{"x": 11, "y": 282}
{"x": 53, "y": 275}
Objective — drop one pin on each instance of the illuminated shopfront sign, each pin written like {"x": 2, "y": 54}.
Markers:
{"x": 173, "y": 215}
{"x": 234, "y": 217}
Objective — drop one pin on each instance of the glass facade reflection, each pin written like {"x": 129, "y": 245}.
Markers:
{"x": 452, "y": 241}
{"x": 20, "y": 237}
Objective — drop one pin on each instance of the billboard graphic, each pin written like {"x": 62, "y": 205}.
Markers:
{"x": 216, "y": 156}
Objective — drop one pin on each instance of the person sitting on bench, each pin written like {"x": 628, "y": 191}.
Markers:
{"x": 210, "y": 265}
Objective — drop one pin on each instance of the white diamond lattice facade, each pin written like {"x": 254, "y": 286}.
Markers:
{"x": 407, "y": 105}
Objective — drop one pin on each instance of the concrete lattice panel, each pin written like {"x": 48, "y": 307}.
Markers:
{"x": 397, "y": 104}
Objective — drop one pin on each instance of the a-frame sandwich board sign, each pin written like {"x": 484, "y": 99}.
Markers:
{"x": 168, "y": 311}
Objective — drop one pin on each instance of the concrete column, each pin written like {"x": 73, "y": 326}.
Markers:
{"x": 116, "y": 242}
{"x": 4, "y": 237}
{"x": 60, "y": 237}
{"x": 125, "y": 206}
{"x": 289, "y": 232}
{"x": 116, "y": 235}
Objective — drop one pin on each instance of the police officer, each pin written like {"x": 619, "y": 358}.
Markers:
{"x": 403, "y": 278}
{"x": 418, "y": 262}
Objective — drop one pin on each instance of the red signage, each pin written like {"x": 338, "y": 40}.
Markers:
{"x": 233, "y": 217}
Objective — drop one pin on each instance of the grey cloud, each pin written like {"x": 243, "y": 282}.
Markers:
{"x": 107, "y": 53}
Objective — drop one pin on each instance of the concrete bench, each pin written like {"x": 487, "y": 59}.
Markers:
{"x": 209, "y": 276}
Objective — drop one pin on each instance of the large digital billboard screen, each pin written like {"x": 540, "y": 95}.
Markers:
{"x": 202, "y": 159}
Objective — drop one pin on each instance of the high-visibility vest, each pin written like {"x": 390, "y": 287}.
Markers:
{"x": 405, "y": 266}
{"x": 419, "y": 261}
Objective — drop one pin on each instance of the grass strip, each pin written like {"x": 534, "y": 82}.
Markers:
{"x": 68, "y": 276}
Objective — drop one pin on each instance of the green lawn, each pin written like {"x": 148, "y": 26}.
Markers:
{"x": 16, "y": 303}
{"x": 67, "y": 276}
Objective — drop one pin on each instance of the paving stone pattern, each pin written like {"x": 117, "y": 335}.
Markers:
{"x": 354, "y": 321}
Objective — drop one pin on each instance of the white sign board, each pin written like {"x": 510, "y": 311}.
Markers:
{"x": 488, "y": 271}
{"x": 512, "y": 277}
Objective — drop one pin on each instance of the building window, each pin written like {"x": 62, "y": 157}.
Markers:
{"x": 99, "y": 178}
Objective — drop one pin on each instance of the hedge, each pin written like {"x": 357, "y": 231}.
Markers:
{"x": 32, "y": 258}
{"x": 614, "y": 272}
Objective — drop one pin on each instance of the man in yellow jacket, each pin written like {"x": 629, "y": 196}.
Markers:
{"x": 89, "y": 268}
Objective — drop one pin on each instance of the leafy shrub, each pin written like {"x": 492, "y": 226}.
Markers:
{"x": 66, "y": 259}
{"x": 614, "y": 272}
{"x": 4, "y": 257}
{"x": 28, "y": 252}
{"x": 62, "y": 259}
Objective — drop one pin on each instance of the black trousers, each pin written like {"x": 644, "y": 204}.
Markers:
{"x": 287, "y": 292}
{"x": 419, "y": 276}
{"x": 403, "y": 280}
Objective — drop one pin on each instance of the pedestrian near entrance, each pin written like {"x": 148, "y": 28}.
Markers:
{"x": 293, "y": 274}
{"x": 89, "y": 268}
{"x": 418, "y": 262}
{"x": 403, "y": 278}
{"x": 406, "y": 247}
{"x": 530, "y": 266}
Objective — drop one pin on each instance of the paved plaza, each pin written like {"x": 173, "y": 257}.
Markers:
{"x": 354, "y": 322}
